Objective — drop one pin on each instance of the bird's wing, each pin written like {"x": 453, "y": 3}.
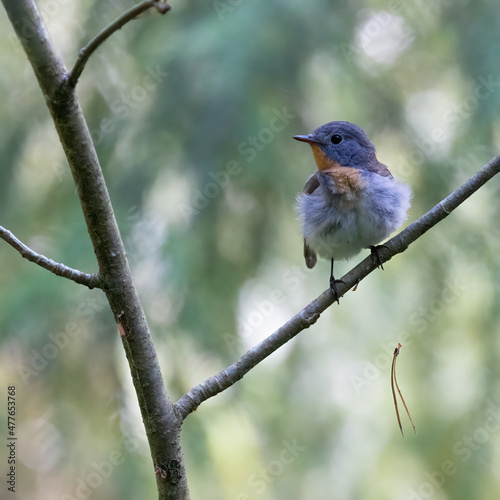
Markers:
{"x": 309, "y": 254}
{"x": 312, "y": 184}
{"x": 380, "y": 169}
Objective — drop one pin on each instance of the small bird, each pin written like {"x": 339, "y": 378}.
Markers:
{"x": 352, "y": 202}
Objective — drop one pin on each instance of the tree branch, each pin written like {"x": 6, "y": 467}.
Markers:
{"x": 89, "y": 49}
{"x": 162, "y": 424}
{"x": 310, "y": 314}
{"x": 90, "y": 280}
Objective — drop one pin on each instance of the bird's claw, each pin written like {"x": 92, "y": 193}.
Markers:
{"x": 375, "y": 256}
{"x": 333, "y": 287}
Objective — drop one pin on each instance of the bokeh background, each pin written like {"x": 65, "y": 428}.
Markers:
{"x": 192, "y": 115}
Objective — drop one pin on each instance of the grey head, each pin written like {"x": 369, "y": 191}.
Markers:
{"x": 343, "y": 142}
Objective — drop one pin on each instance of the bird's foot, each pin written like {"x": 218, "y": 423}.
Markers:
{"x": 375, "y": 256}
{"x": 333, "y": 287}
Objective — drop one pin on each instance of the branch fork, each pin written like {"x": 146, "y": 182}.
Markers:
{"x": 89, "y": 280}
{"x": 72, "y": 78}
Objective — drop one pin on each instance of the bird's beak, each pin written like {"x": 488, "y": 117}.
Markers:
{"x": 306, "y": 138}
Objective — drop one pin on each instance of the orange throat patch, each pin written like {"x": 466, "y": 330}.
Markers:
{"x": 347, "y": 179}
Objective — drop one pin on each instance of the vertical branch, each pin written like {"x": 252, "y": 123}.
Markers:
{"x": 161, "y": 422}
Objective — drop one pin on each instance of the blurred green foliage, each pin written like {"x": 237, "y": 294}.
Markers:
{"x": 192, "y": 115}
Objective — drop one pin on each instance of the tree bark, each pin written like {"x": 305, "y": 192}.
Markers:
{"x": 162, "y": 423}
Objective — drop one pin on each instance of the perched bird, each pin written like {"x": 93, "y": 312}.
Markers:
{"x": 352, "y": 201}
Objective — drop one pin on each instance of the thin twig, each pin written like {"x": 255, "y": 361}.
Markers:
{"x": 393, "y": 371}
{"x": 90, "y": 280}
{"x": 309, "y": 315}
{"x": 161, "y": 6}
{"x": 394, "y": 380}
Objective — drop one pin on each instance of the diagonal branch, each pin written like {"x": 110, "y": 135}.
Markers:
{"x": 90, "y": 280}
{"x": 310, "y": 314}
{"x": 85, "y": 53}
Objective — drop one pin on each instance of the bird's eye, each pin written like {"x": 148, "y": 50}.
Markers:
{"x": 336, "y": 139}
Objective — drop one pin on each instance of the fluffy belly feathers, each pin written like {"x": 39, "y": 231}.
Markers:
{"x": 339, "y": 223}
